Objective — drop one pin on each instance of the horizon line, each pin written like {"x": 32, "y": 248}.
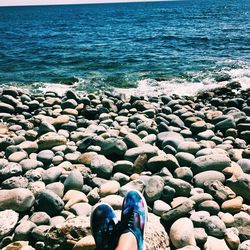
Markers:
{"x": 87, "y": 3}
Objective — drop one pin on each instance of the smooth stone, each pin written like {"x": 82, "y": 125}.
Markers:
{"x": 245, "y": 165}
{"x": 22, "y": 245}
{"x": 232, "y": 238}
{"x": 115, "y": 201}
{"x": 73, "y": 181}
{"x": 209, "y": 205}
{"x": 178, "y": 212}
{"x": 86, "y": 243}
{"x": 51, "y": 175}
{"x": 50, "y": 140}
{"x": 93, "y": 196}
{"x": 74, "y": 196}
{"x": 228, "y": 219}
{"x": 39, "y": 232}
{"x": 122, "y": 166}
{"x": 199, "y": 218}
{"x": 49, "y": 202}
{"x": 113, "y": 147}
{"x": 45, "y": 156}
{"x": 213, "y": 243}
{"x": 244, "y": 245}
{"x": 182, "y": 233}
{"x": 154, "y": 188}
{"x": 200, "y": 197}
{"x": 36, "y": 187}
{"x": 140, "y": 163}
{"x": 184, "y": 159}
{"x": 56, "y": 187}
{"x": 102, "y": 166}
{"x": 10, "y": 169}
{"x": 46, "y": 127}
{"x": 8, "y": 221}
{"x": 15, "y": 182}
{"x": 181, "y": 187}
{"x": 56, "y": 220}
{"x": 232, "y": 206}
{"x": 198, "y": 127}
{"x": 200, "y": 236}
{"x": 156, "y": 163}
{"x": 133, "y": 153}
{"x": 60, "y": 120}
{"x": 132, "y": 140}
{"x": 108, "y": 188}
{"x": 40, "y": 218}
{"x": 81, "y": 208}
{"x": 160, "y": 207}
{"x": 17, "y": 156}
{"x": 183, "y": 173}
{"x": 86, "y": 158}
{"x": 23, "y": 231}
{"x": 168, "y": 193}
{"x": 219, "y": 191}
{"x": 208, "y": 176}
{"x": 188, "y": 147}
{"x": 18, "y": 199}
{"x": 135, "y": 184}
{"x": 215, "y": 226}
{"x": 240, "y": 185}
{"x": 121, "y": 178}
{"x": 215, "y": 162}
{"x": 28, "y": 164}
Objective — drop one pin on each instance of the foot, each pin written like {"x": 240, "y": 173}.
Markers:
{"x": 103, "y": 222}
{"x": 134, "y": 216}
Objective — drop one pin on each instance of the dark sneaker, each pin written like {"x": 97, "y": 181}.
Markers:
{"x": 103, "y": 223}
{"x": 134, "y": 216}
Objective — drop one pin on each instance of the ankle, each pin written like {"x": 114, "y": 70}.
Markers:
{"x": 127, "y": 241}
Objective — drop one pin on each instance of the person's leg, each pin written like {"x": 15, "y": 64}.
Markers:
{"x": 127, "y": 241}
{"x": 103, "y": 226}
{"x": 133, "y": 220}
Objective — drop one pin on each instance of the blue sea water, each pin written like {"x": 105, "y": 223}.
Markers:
{"x": 153, "y": 47}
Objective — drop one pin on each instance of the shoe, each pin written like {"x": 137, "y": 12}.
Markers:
{"x": 103, "y": 223}
{"x": 134, "y": 216}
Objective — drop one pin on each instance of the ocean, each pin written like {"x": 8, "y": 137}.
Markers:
{"x": 139, "y": 48}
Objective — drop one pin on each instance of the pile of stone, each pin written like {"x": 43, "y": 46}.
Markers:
{"x": 190, "y": 156}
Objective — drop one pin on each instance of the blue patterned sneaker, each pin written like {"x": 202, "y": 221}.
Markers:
{"x": 134, "y": 216}
{"x": 103, "y": 223}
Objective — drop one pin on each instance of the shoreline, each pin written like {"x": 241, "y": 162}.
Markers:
{"x": 190, "y": 155}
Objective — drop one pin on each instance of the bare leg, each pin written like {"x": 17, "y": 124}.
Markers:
{"x": 127, "y": 241}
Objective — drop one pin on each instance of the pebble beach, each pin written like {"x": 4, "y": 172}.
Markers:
{"x": 62, "y": 154}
